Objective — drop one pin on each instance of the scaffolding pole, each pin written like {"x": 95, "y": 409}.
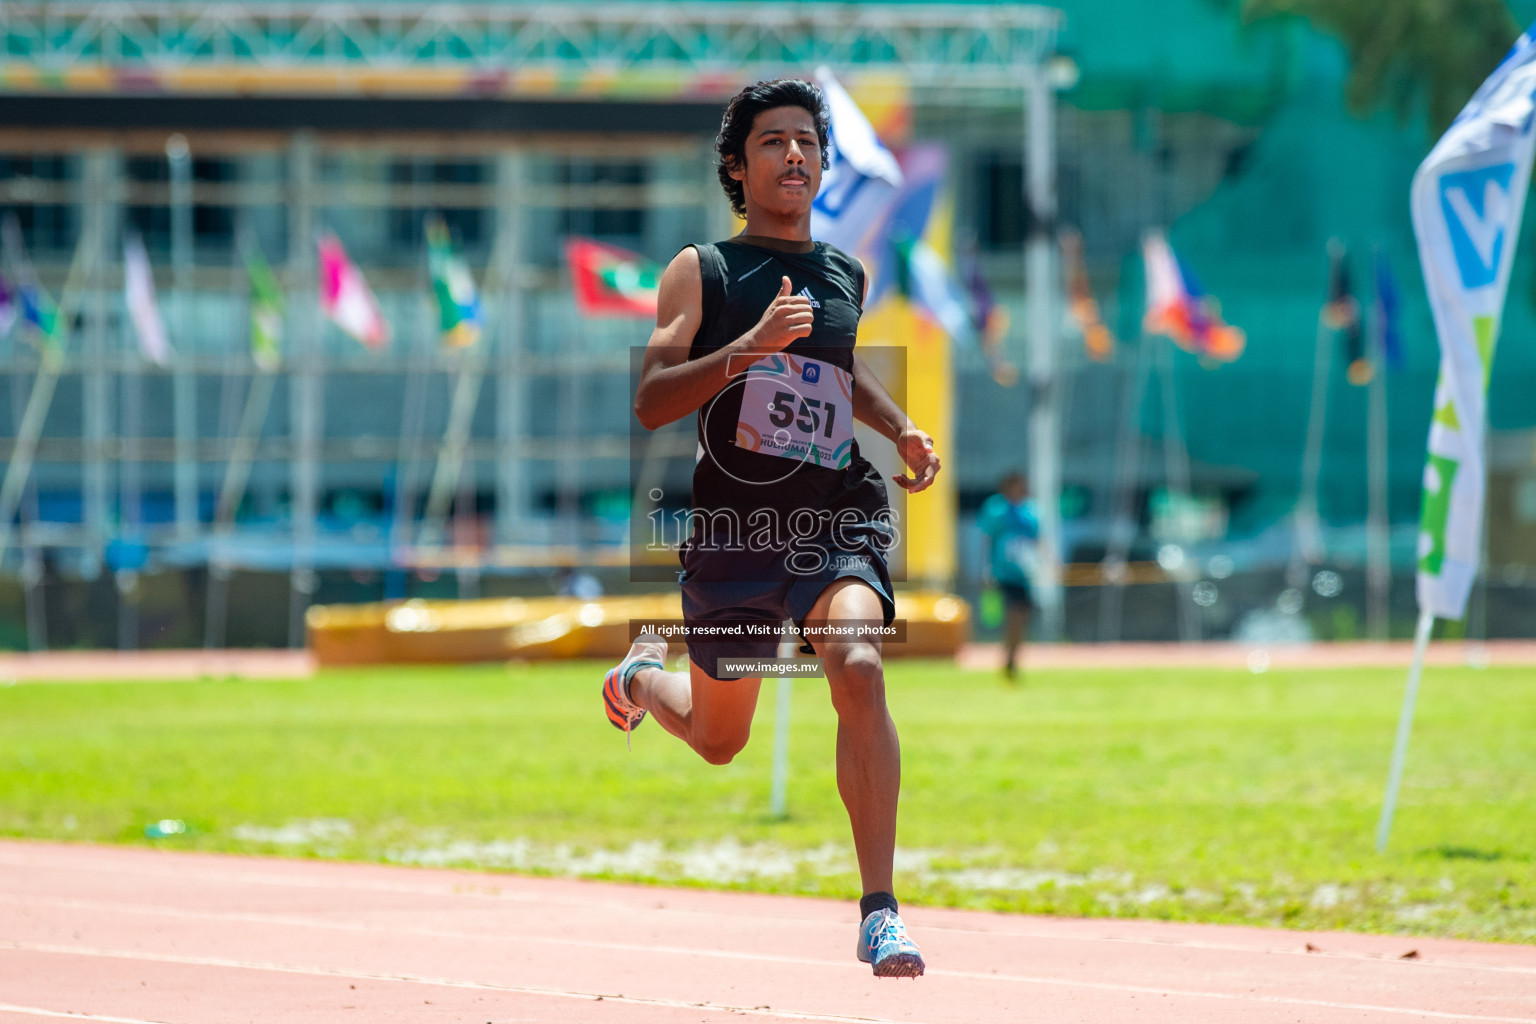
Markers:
{"x": 1040, "y": 285}
{"x": 512, "y": 490}
{"x": 95, "y": 370}
{"x": 130, "y": 488}
{"x": 307, "y": 382}
{"x": 184, "y": 380}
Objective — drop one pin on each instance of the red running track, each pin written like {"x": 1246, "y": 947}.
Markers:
{"x": 132, "y": 935}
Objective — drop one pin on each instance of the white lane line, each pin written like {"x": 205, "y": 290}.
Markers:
{"x": 34, "y": 1011}
{"x": 289, "y": 920}
{"x": 262, "y": 965}
{"x": 421, "y": 979}
{"x": 491, "y": 891}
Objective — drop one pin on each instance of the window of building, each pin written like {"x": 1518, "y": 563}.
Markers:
{"x": 610, "y": 213}
{"x": 449, "y": 187}
{"x": 148, "y": 210}
{"x": 36, "y": 190}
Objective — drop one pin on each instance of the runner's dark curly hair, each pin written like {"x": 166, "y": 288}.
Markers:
{"x": 742, "y": 111}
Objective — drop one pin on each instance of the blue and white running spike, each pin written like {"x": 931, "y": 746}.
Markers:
{"x": 886, "y": 947}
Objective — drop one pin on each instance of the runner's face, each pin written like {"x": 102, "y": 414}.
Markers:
{"x": 783, "y": 162}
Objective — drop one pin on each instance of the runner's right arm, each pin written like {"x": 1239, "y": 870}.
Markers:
{"x": 672, "y": 386}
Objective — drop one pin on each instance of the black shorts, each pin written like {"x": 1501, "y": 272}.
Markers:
{"x": 1016, "y": 596}
{"x": 710, "y": 595}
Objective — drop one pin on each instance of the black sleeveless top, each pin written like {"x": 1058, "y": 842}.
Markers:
{"x": 740, "y": 281}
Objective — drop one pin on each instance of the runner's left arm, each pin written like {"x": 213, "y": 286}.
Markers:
{"x": 873, "y": 405}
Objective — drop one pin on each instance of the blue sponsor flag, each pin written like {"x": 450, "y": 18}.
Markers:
{"x": 1467, "y": 200}
{"x": 860, "y": 183}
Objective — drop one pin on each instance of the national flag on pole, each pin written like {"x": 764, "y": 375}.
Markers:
{"x": 609, "y": 281}
{"x": 39, "y": 312}
{"x": 346, "y": 298}
{"x": 139, "y": 293}
{"x": 923, "y": 277}
{"x": 8, "y": 307}
{"x": 458, "y": 303}
{"x": 860, "y": 183}
{"x": 1097, "y": 341}
{"x": 1178, "y": 308}
{"x": 1467, "y": 200}
{"x": 1388, "y": 334}
{"x": 915, "y": 256}
{"x": 32, "y": 301}
{"x": 991, "y": 320}
{"x": 1341, "y": 312}
{"x": 266, "y": 299}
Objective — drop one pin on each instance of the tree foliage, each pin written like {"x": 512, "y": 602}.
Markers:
{"x": 1406, "y": 52}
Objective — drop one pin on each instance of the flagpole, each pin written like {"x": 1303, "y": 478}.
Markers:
{"x": 237, "y": 472}
{"x": 417, "y": 371}
{"x": 1176, "y": 472}
{"x": 461, "y": 411}
{"x": 31, "y": 557}
{"x": 50, "y": 366}
{"x": 1475, "y": 646}
{"x": 1404, "y": 727}
{"x": 1378, "y": 555}
{"x": 450, "y": 455}
{"x": 1123, "y": 526}
{"x": 1307, "y": 549}
{"x": 466, "y": 534}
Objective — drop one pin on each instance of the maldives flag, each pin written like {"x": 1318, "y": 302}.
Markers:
{"x": 610, "y": 281}
{"x": 345, "y": 297}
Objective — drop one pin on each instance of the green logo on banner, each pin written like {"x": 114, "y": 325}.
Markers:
{"x": 1487, "y": 334}
{"x": 1439, "y": 475}
{"x": 1446, "y": 416}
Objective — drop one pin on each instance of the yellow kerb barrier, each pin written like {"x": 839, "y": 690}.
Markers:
{"x": 496, "y": 629}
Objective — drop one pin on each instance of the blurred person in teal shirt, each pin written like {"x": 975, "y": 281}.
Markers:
{"x": 1011, "y": 526}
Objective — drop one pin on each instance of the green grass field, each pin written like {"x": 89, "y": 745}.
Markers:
{"x": 1196, "y": 795}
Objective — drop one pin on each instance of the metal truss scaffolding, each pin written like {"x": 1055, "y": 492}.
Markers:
{"x": 971, "y": 45}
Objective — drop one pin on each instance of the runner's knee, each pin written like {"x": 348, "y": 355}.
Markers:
{"x": 723, "y": 748}
{"x": 856, "y": 676}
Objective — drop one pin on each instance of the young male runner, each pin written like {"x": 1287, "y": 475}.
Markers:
{"x": 757, "y": 333}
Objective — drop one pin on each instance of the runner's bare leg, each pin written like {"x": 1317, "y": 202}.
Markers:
{"x": 713, "y": 716}
{"x": 868, "y": 751}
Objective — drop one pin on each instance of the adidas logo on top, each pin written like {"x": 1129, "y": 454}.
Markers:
{"x": 806, "y": 292}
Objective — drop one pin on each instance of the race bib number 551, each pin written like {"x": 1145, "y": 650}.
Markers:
{"x": 798, "y": 408}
